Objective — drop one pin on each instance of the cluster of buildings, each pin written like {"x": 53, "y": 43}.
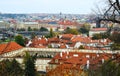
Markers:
{"x": 56, "y": 25}
{"x": 11, "y": 50}
{"x": 70, "y": 41}
{"x": 75, "y": 63}
{"x": 64, "y": 59}
{"x": 64, "y": 62}
{"x": 18, "y": 21}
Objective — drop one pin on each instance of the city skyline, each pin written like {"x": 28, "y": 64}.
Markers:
{"x": 45, "y": 6}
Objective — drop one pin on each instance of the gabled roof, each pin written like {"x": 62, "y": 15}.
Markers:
{"x": 81, "y": 39}
{"x": 53, "y": 40}
{"x": 39, "y": 41}
{"x": 8, "y": 47}
{"x": 67, "y": 36}
{"x": 79, "y": 58}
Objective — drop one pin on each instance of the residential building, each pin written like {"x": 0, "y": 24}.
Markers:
{"x": 4, "y": 25}
{"x": 97, "y": 31}
{"x": 70, "y": 41}
{"x": 11, "y": 47}
{"x": 75, "y": 63}
{"x": 38, "y": 42}
{"x": 67, "y": 23}
{"x": 28, "y": 24}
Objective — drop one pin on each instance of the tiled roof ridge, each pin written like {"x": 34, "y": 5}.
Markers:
{"x": 99, "y": 29}
{"x": 8, "y": 47}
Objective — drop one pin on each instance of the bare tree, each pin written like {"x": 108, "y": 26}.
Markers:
{"x": 112, "y": 13}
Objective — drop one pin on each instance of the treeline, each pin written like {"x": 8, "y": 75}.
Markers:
{"x": 13, "y": 68}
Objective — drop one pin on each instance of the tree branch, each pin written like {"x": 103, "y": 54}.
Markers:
{"x": 118, "y": 4}
{"x": 115, "y": 21}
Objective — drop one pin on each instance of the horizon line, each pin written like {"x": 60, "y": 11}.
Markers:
{"x": 42, "y": 13}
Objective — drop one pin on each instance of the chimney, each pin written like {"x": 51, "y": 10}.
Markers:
{"x": 67, "y": 52}
{"x": 88, "y": 63}
{"x": 112, "y": 57}
{"x": 66, "y": 57}
{"x": 98, "y": 55}
{"x": 61, "y": 54}
{"x": 46, "y": 39}
{"x": 87, "y": 56}
{"x": 103, "y": 61}
{"x": 75, "y": 55}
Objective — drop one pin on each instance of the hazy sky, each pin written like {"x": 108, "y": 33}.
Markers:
{"x": 47, "y": 6}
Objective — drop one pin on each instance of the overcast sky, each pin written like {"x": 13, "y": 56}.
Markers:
{"x": 47, "y": 6}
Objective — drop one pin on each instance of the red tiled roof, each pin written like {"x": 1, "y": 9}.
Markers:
{"x": 94, "y": 41}
{"x": 70, "y": 40}
{"x": 67, "y": 36}
{"x": 99, "y": 29}
{"x": 8, "y": 47}
{"x": 82, "y": 39}
{"x": 78, "y": 58}
{"x": 62, "y": 46}
{"x": 39, "y": 41}
{"x": 39, "y": 46}
{"x": 77, "y": 39}
{"x": 64, "y": 41}
{"x": 75, "y": 60}
{"x": 67, "y": 22}
{"x": 65, "y": 70}
{"x": 90, "y": 48}
{"x": 53, "y": 40}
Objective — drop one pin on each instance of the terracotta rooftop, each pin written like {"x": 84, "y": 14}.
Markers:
{"x": 38, "y": 42}
{"x": 99, "y": 29}
{"x": 67, "y": 36}
{"x": 53, "y": 40}
{"x": 71, "y": 41}
{"x": 81, "y": 39}
{"x": 76, "y": 61}
{"x": 67, "y": 22}
{"x": 8, "y": 47}
{"x": 62, "y": 46}
{"x": 79, "y": 58}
